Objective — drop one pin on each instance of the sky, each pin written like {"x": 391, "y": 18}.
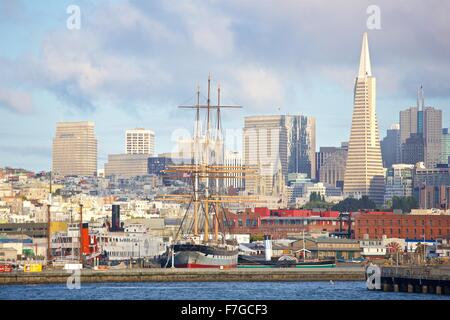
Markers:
{"x": 131, "y": 63}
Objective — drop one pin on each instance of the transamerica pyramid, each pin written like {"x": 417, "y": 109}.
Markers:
{"x": 364, "y": 175}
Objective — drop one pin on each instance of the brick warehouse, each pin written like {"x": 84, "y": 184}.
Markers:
{"x": 281, "y": 223}
{"x": 403, "y": 226}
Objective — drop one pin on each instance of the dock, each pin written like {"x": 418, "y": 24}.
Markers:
{"x": 416, "y": 279}
{"x": 187, "y": 275}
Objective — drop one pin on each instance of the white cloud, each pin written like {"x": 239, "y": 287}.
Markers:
{"x": 15, "y": 100}
{"x": 258, "y": 88}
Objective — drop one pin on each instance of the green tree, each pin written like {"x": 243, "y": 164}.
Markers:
{"x": 406, "y": 204}
{"x": 352, "y": 204}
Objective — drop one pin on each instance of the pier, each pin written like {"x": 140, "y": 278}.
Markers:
{"x": 188, "y": 275}
{"x": 416, "y": 279}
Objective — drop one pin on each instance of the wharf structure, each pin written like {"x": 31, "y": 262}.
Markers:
{"x": 416, "y": 279}
{"x": 188, "y": 275}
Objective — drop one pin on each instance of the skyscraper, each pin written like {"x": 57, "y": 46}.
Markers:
{"x": 332, "y": 170}
{"x": 75, "y": 149}
{"x": 279, "y": 144}
{"x": 408, "y": 123}
{"x": 364, "y": 173}
{"x": 413, "y": 149}
{"x": 432, "y": 136}
{"x": 140, "y": 141}
{"x": 421, "y": 123}
{"x": 391, "y": 146}
{"x": 445, "y": 153}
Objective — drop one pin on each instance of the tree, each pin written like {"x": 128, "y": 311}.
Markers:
{"x": 404, "y": 203}
{"x": 316, "y": 200}
{"x": 352, "y": 204}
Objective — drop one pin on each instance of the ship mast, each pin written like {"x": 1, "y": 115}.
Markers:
{"x": 216, "y": 149}
{"x": 203, "y": 172}
{"x": 207, "y": 149}
{"x": 196, "y": 162}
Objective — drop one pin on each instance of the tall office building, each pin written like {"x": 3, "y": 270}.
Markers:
{"x": 421, "y": 123}
{"x": 364, "y": 174}
{"x": 408, "y": 123}
{"x": 140, "y": 141}
{"x": 413, "y": 149}
{"x": 432, "y": 136}
{"x": 279, "y": 145}
{"x": 332, "y": 170}
{"x": 445, "y": 153}
{"x": 391, "y": 146}
{"x": 75, "y": 149}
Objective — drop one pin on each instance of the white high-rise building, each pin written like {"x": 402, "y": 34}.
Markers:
{"x": 364, "y": 174}
{"x": 140, "y": 141}
{"x": 233, "y": 158}
{"x": 278, "y": 145}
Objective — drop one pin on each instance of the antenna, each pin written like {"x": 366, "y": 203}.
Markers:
{"x": 218, "y": 108}
{"x": 208, "y": 103}
{"x": 420, "y": 99}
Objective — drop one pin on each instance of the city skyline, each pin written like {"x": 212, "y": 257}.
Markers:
{"x": 43, "y": 83}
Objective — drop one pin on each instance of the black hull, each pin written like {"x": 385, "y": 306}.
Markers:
{"x": 260, "y": 261}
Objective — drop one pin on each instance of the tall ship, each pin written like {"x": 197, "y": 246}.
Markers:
{"x": 202, "y": 240}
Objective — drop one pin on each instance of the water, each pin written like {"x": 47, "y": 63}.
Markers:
{"x": 354, "y": 290}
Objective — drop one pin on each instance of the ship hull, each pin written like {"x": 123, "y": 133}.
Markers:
{"x": 200, "y": 256}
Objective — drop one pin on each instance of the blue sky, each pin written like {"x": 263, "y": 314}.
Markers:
{"x": 133, "y": 62}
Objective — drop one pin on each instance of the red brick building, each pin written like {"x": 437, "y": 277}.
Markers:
{"x": 405, "y": 226}
{"x": 281, "y": 222}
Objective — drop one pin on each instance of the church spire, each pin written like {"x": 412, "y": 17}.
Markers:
{"x": 364, "y": 62}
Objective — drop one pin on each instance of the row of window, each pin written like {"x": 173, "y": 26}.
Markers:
{"x": 382, "y": 222}
{"x": 416, "y": 232}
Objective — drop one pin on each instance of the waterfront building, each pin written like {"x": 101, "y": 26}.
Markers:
{"x": 404, "y": 226}
{"x": 283, "y": 223}
{"x": 75, "y": 149}
{"x": 140, "y": 141}
{"x": 399, "y": 181}
{"x": 326, "y": 248}
{"x": 391, "y": 146}
{"x": 379, "y": 248}
{"x": 279, "y": 144}
{"x": 127, "y": 165}
{"x": 364, "y": 175}
{"x": 445, "y": 153}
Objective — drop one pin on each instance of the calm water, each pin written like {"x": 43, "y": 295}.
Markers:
{"x": 209, "y": 291}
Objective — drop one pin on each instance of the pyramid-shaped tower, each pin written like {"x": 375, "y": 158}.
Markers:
{"x": 364, "y": 173}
